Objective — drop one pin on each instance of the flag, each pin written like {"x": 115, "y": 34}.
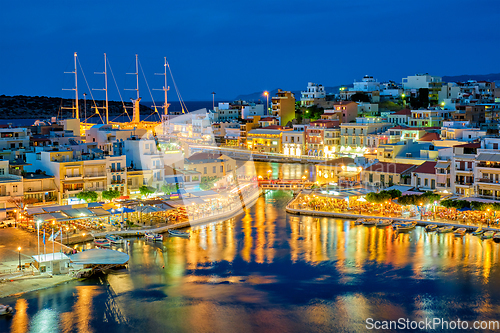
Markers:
{"x": 54, "y": 237}
{"x": 44, "y": 237}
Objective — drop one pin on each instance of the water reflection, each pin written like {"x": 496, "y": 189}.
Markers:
{"x": 268, "y": 270}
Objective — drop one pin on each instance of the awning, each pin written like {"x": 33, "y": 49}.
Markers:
{"x": 59, "y": 215}
{"x": 99, "y": 257}
{"x": 402, "y": 188}
{"x": 44, "y": 217}
{"x": 348, "y": 174}
{"x": 147, "y": 209}
{"x": 99, "y": 211}
{"x": 173, "y": 180}
{"x": 35, "y": 210}
{"x": 442, "y": 165}
{"x": 488, "y": 157}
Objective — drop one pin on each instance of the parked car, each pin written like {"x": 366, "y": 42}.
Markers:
{"x": 9, "y": 222}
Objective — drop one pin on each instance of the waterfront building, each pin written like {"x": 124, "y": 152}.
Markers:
{"x": 315, "y": 136}
{"x": 293, "y": 142}
{"x": 116, "y": 173}
{"x": 11, "y": 189}
{"x": 424, "y": 177}
{"x": 103, "y": 135}
{"x": 487, "y": 169}
{"x": 211, "y": 165}
{"x": 14, "y": 142}
{"x": 283, "y": 106}
{"x": 314, "y": 91}
{"x": 39, "y": 189}
{"x": 344, "y": 111}
{"x": 247, "y": 125}
{"x": 331, "y": 142}
{"x": 226, "y": 112}
{"x": 339, "y": 170}
{"x": 383, "y": 174}
{"x": 462, "y": 169}
{"x": 408, "y": 152}
{"x": 144, "y": 155}
{"x": 267, "y": 139}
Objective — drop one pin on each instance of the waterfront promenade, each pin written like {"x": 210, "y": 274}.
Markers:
{"x": 294, "y": 208}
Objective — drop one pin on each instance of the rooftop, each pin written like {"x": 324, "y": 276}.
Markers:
{"x": 426, "y": 167}
{"x": 386, "y": 167}
{"x": 429, "y": 137}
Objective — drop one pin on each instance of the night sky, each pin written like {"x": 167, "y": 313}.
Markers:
{"x": 239, "y": 47}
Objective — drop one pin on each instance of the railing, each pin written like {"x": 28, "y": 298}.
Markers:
{"x": 464, "y": 183}
{"x": 484, "y": 165}
{"x": 117, "y": 170}
{"x": 72, "y": 176}
{"x": 486, "y": 180}
{"x": 96, "y": 175}
{"x": 121, "y": 181}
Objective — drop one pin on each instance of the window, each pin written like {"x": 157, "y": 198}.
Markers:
{"x": 14, "y": 188}
{"x": 204, "y": 170}
{"x": 382, "y": 179}
{"x": 221, "y": 168}
{"x": 433, "y": 183}
{"x": 390, "y": 180}
{"x": 426, "y": 182}
{"x": 419, "y": 181}
{"x": 370, "y": 177}
{"x": 214, "y": 169}
{"x": 2, "y": 171}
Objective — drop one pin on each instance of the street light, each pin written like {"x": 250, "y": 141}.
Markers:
{"x": 19, "y": 250}
{"x": 269, "y": 172}
{"x": 266, "y": 93}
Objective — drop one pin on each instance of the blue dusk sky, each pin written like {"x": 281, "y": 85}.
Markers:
{"x": 239, "y": 47}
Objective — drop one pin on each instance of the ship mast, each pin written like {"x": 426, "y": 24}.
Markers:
{"x": 165, "y": 87}
{"x": 106, "y": 107}
{"x": 135, "y": 102}
{"x": 77, "y": 113}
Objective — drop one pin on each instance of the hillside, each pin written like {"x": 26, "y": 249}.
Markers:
{"x": 477, "y": 77}
{"x": 41, "y": 107}
{"x": 259, "y": 96}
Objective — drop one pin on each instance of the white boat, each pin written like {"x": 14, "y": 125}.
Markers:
{"x": 153, "y": 236}
{"x": 115, "y": 239}
{"x": 406, "y": 226}
{"x": 102, "y": 242}
{"x": 445, "y": 229}
{"x": 431, "y": 227}
{"x": 359, "y": 221}
{"x": 478, "y": 231}
{"x": 488, "y": 235}
{"x": 370, "y": 222}
{"x": 383, "y": 223}
{"x": 6, "y": 309}
{"x": 460, "y": 232}
{"x": 178, "y": 233}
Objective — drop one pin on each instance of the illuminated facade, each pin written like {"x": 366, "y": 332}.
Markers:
{"x": 267, "y": 139}
{"x": 283, "y": 106}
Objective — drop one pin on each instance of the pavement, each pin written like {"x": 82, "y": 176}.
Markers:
{"x": 31, "y": 283}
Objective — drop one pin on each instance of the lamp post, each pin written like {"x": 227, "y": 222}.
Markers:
{"x": 67, "y": 237}
{"x": 19, "y": 250}
{"x": 38, "y": 236}
{"x": 266, "y": 93}
{"x": 269, "y": 173}
{"x": 15, "y": 212}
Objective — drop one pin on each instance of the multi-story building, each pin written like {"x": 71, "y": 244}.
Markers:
{"x": 462, "y": 169}
{"x": 487, "y": 169}
{"x": 267, "y": 139}
{"x": 144, "y": 155}
{"x": 39, "y": 189}
{"x": 475, "y": 114}
{"x": 314, "y": 91}
{"x": 331, "y": 142}
{"x": 424, "y": 177}
{"x": 252, "y": 110}
{"x": 432, "y": 83}
{"x": 105, "y": 134}
{"x": 338, "y": 170}
{"x": 116, "y": 173}
{"x": 461, "y": 130}
{"x": 283, "y": 106}
{"x": 245, "y": 126}
{"x": 293, "y": 142}
{"x": 11, "y": 189}
{"x": 429, "y": 118}
{"x": 14, "y": 142}
{"x": 344, "y": 111}
{"x": 354, "y": 135}
{"x": 383, "y": 174}
{"x": 315, "y": 136}
{"x": 211, "y": 165}
{"x": 367, "y": 84}
{"x": 400, "y": 117}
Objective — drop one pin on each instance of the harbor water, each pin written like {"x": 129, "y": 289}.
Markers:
{"x": 267, "y": 271}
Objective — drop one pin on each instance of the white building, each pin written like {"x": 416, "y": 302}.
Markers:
{"x": 248, "y": 111}
{"x": 420, "y": 81}
{"x": 367, "y": 84}
{"x": 11, "y": 187}
{"x": 314, "y": 91}
{"x": 292, "y": 142}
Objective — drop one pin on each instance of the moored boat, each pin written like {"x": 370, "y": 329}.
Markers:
{"x": 406, "y": 226}
{"x": 496, "y": 237}
{"x": 102, "y": 242}
{"x": 370, "y": 221}
{"x": 383, "y": 223}
{"x": 445, "y": 229}
{"x": 6, "y": 309}
{"x": 488, "y": 235}
{"x": 178, "y": 233}
{"x": 431, "y": 227}
{"x": 359, "y": 221}
{"x": 460, "y": 232}
{"x": 114, "y": 239}
{"x": 153, "y": 236}
{"x": 478, "y": 231}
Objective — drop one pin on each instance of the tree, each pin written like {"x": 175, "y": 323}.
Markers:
{"x": 360, "y": 97}
{"x": 381, "y": 197}
{"x": 88, "y": 196}
{"x": 146, "y": 190}
{"x": 110, "y": 194}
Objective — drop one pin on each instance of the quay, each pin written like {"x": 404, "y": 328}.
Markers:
{"x": 292, "y": 209}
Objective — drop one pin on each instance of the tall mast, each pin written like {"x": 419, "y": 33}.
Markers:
{"x": 165, "y": 87}
{"x": 135, "y": 102}
{"x": 77, "y": 111}
{"x": 106, "y": 107}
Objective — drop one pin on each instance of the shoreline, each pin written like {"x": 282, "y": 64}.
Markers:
{"x": 25, "y": 285}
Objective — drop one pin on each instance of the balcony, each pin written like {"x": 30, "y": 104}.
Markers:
{"x": 115, "y": 182}
{"x": 486, "y": 181}
{"x": 72, "y": 177}
{"x": 95, "y": 175}
{"x": 488, "y": 165}
{"x": 73, "y": 191}
{"x": 464, "y": 184}
{"x": 464, "y": 170}
{"x": 117, "y": 170}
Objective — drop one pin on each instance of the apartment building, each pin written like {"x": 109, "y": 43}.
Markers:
{"x": 383, "y": 174}
{"x": 283, "y": 106}
{"x": 354, "y": 136}
{"x": 314, "y": 91}
{"x": 39, "y": 189}
{"x": 293, "y": 142}
{"x": 424, "y": 177}
{"x": 11, "y": 188}
{"x": 144, "y": 155}
{"x": 315, "y": 136}
{"x": 14, "y": 142}
{"x": 462, "y": 169}
{"x": 429, "y": 118}
{"x": 211, "y": 165}
{"x": 487, "y": 169}
{"x": 267, "y": 139}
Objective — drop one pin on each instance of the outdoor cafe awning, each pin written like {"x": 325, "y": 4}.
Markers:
{"x": 44, "y": 217}
{"x": 100, "y": 212}
{"x": 488, "y": 157}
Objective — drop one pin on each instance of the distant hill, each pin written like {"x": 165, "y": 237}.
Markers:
{"x": 41, "y": 107}
{"x": 259, "y": 96}
{"x": 467, "y": 77}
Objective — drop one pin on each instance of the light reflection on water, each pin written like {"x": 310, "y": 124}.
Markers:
{"x": 266, "y": 270}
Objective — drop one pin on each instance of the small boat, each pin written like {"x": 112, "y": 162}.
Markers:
{"x": 153, "y": 236}
{"x": 370, "y": 222}
{"x": 406, "y": 226}
{"x": 359, "y": 221}
{"x": 6, "y": 309}
{"x": 460, "y": 232}
{"x": 178, "y": 233}
{"x": 383, "y": 223}
{"x": 496, "y": 237}
{"x": 431, "y": 227}
{"x": 114, "y": 239}
{"x": 488, "y": 235}
{"x": 102, "y": 242}
{"x": 478, "y": 231}
{"x": 445, "y": 229}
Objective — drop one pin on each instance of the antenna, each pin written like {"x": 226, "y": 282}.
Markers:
{"x": 165, "y": 87}
{"x": 105, "y": 87}
{"x": 77, "y": 113}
